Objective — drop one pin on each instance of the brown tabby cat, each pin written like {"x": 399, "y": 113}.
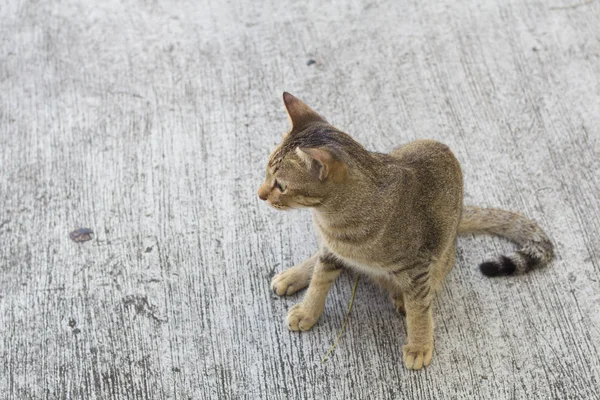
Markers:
{"x": 394, "y": 217}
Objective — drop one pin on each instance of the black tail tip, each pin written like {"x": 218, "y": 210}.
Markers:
{"x": 490, "y": 268}
{"x": 504, "y": 266}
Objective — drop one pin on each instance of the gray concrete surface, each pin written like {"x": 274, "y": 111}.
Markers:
{"x": 150, "y": 123}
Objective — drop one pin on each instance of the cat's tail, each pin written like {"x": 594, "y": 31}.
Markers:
{"x": 535, "y": 248}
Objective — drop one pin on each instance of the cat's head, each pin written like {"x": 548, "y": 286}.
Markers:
{"x": 304, "y": 168}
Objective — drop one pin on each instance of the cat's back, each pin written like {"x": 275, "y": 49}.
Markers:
{"x": 428, "y": 157}
{"x": 420, "y": 149}
{"x": 438, "y": 176}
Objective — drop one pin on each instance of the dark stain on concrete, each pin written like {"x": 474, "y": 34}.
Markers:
{"x": 81, "y": 235}
{"x": 142, "y": 307}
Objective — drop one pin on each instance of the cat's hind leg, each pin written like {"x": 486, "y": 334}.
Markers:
{"x": 295, "y": 278}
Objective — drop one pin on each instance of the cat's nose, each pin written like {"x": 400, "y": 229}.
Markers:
{"x": 262, "y": 194}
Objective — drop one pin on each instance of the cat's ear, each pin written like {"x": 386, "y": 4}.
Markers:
{"x": 329, "y": 166}
{"x": 300, "y": 114}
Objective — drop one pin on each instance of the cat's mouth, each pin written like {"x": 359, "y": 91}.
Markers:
{"x": 279, "y": 206}
{"x": 296, "y": 205}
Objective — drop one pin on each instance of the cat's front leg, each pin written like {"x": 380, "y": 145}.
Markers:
{"x": 418, "y": 349}
{"x": 306, "y": 313}
{"x": 295, "y": 278}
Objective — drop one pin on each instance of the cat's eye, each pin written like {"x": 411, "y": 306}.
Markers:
{"x": 279, "y": 186}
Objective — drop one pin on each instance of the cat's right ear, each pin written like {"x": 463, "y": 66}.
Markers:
{"x": 300, "y": 114}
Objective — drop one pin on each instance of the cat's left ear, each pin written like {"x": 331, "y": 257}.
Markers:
{"x": 300, "y": 114}
{"x": 329, "y": 165}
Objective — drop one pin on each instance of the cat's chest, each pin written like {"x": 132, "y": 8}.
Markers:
{"x": 360, "y": 255}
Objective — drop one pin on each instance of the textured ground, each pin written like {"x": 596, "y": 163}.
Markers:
{"x": 150, "y": 122}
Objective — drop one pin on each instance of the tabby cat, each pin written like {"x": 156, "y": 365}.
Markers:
{"x": 393, "y": 217}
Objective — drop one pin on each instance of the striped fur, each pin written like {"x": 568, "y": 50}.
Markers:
{"x": 535, "y": 249}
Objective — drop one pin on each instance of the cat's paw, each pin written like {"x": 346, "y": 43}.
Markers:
{"x": 398, "y": 302}
{"x": 301, "y": 318}
{"x": 289, "y": 282}
{"x": 417, "y": 356}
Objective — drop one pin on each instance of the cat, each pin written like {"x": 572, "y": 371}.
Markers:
{"x": 393, "y": 217}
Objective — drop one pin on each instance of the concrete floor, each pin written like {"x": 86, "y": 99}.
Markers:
{"x": 150, "y": 123}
